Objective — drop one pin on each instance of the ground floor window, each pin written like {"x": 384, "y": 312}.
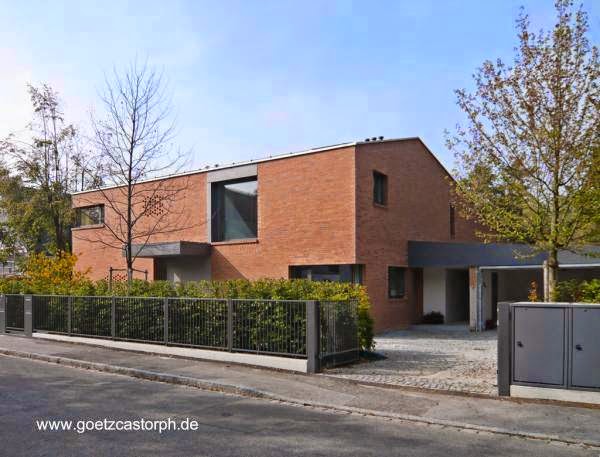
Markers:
{"x": 334, "y": 273}
{"x": 396, "y": 282}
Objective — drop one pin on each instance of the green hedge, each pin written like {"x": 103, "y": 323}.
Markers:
{"x": 578, "y": 291}
{"x": 273, "y": 289}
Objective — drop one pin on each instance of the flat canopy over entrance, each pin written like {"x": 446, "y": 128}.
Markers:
{"x": 171, "y": 249}
{"x": 460, "y": 255}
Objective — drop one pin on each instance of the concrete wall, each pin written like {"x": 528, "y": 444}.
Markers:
{"x": 188, "y": 269}
{"x": 486, "y": 294}
{"x": 434, "y": 290}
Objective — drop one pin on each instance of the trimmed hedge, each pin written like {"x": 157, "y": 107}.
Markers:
{"x": 273, "y": 289}
{"x": 578, "y": 291}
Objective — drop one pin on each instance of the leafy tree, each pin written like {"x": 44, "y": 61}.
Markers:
{"x": 21, "y": 228}
{"x": 48, "y": 161}
{"x": 529, "y": 158}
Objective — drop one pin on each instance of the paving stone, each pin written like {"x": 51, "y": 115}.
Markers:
{"x": 444, "y": 358}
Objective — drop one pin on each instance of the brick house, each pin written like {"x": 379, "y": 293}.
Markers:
{"x": 344, "y": 212}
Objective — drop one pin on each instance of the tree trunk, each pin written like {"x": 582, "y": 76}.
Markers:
{"x": 550, "y": 275}
{"x": 129, "y": 262}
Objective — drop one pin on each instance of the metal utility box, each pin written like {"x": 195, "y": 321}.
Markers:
{"x": 549, "y": 350}
{"x": 585, "y": 348}
{"x": 539, "y": 345}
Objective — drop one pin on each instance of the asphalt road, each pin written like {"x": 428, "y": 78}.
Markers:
{"x": 227, "y": 425}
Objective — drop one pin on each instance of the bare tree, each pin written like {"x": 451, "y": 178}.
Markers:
{"x": 134, "y": 142}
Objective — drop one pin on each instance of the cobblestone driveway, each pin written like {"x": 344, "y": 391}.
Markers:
{"x": 434, "y": 357}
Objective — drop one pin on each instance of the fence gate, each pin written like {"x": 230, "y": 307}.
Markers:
{"x": 339, "y": 342}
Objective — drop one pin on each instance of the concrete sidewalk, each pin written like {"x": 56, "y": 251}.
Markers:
{"x": 534, "y": 420}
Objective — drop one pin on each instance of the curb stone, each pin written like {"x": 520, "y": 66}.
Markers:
{"x": 255, "y": 393}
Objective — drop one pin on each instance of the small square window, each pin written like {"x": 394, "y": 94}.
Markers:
{"x": 396, "y": 282}
{"x": 89, "y": 215}
{"x": 379, "y": 188}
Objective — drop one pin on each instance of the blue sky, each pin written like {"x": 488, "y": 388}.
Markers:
{"x": 254, "y": 78}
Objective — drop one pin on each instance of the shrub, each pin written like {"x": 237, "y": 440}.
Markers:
{"x": 578, "y": 291}
{"x": 433, "y": 317}
{"x": 57, "y": 280}
{"x": 56, "y": 274}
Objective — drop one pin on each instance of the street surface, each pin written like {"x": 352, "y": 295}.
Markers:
{"x": 227, "y": 425}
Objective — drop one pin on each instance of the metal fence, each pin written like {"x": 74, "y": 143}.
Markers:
{"x": 325, "y": 333}
{"x": 269, "y": 327}
{"x": 338, "y": 332}
{"x": 197, "y": 322}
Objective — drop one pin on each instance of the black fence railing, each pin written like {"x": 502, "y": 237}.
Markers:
{"x": 51, "y": 313}
{"x": 197, "y": 322}
{"x": 269, "y": 327}
{"x": 326, "y": 332}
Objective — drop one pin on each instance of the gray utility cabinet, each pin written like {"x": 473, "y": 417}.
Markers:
{"x": 553, "y": 345}
{"x": 585, "y": 348}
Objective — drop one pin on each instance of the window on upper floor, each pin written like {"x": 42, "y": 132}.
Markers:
{"x": 89, "y": 215}
{"x": 396, "y": 282}
{"x": 452, "y": 222}
{"x": 380, "y": 192}
{"x": 234, "y": 212}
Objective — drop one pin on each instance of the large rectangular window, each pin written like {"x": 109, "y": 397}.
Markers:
{"x": 334, "y": 273}
{"x": 234, "y": 209}
{"x": 379, "y": 188}
{"x": 89, "y": 215}
{"x": 396, "y": 282}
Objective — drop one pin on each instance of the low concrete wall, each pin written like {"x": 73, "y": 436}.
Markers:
{"x": 545, "y": 393}
{"x": 267, "y": 361}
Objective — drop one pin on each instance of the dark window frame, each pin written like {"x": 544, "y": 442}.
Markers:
{"x": 402, "y": 286}
{"x": 348, "y": 273}
{"x": 380, "y": 188}
{"x": 83, "y": 208}
{"x": 217, "y": 228}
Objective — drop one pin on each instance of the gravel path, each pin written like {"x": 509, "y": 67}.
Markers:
{"x": 433, "y": 357}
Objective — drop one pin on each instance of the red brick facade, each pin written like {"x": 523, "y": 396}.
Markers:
{"x": 418, "y": 208}
{"x": 314, "y": 209}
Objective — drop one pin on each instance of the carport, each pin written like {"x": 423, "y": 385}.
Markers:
{"x": 465, "y": 281}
